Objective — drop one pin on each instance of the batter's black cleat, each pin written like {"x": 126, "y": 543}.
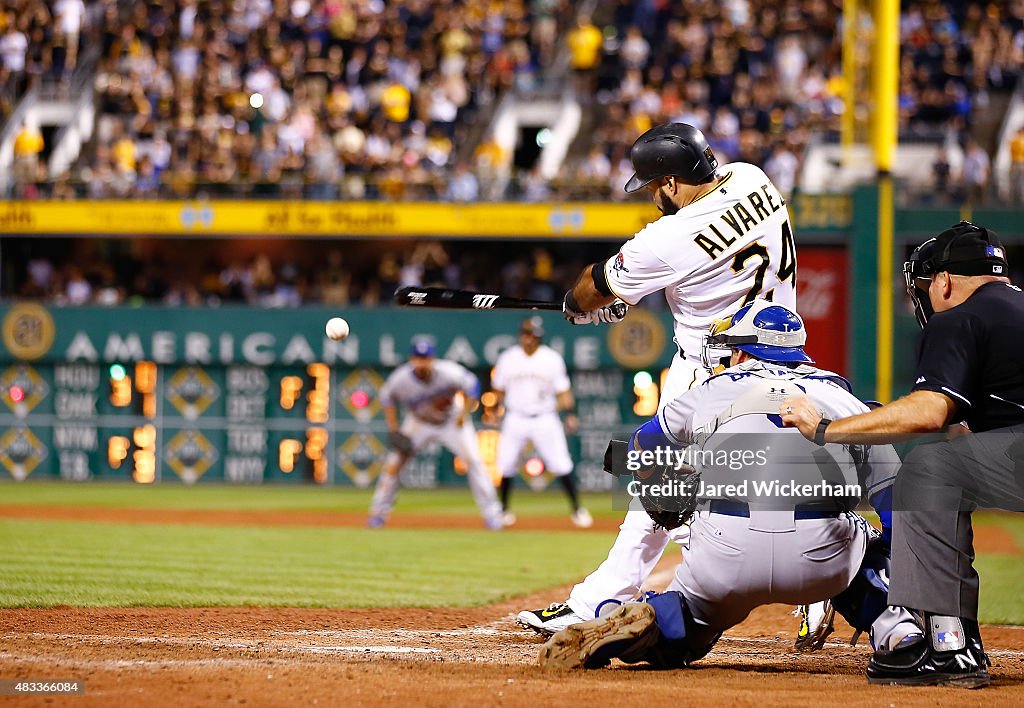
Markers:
{"x": 545, "y": 622}
{"x": 950, "y": 654}
{"x": 627, "y": 632}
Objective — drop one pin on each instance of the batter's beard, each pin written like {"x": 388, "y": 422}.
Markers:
{"x": 664, "y": 204}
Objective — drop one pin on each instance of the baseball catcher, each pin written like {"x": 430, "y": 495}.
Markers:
{"x": 772, "y": 520}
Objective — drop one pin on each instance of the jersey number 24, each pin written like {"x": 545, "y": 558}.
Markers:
{"x": 787, "y": 268}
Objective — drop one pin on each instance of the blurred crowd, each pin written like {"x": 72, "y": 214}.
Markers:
{"x": 357, "y": 274}
{"x": 40, "y": 42}
{"x": 318, "y": 98}
{"x": 364, "y": 99}
{"x": 760, "y": 79}
{"x": 306, "y": 273}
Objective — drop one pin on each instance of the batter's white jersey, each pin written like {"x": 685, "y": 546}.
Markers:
{"x": 729, "y": 246}
{"x": 530, "y": 381}
{"x": 432, "y": 401}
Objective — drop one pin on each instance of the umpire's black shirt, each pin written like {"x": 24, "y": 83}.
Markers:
{"x": 974, "y": 353}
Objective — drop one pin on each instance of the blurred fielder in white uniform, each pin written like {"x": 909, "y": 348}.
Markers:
{"x": 531, "y": 379}
{"x": 437, "y": 396}
{"x": 724, "y": 239}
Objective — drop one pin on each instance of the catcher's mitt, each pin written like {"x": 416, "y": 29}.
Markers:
{"x": 400, "y": 443}
{"x": 668, "y": 494}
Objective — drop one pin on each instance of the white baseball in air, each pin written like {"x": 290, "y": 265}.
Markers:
{"x": 337, "y": 328}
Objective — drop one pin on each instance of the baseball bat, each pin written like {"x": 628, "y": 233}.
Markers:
{"x": 466, "y": 300}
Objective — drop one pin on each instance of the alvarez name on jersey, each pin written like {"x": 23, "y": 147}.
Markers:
{"x": 726, "y": 248}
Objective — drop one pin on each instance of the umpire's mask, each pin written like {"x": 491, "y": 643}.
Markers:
{"x": 917, "y": 282}
{"x": 964, "y": 249}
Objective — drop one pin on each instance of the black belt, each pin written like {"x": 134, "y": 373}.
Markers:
{"x": 728, "y": 507}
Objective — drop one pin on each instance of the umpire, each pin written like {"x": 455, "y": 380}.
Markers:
{"x": 970, "y": 369}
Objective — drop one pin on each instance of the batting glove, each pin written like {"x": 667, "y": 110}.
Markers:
{"x": 610, "y": 314}
{"x": 571, "y": 312}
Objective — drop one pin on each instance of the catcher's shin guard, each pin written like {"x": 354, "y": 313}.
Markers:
{"x": 867, "y": 596}
{"x": 658, "y": 630}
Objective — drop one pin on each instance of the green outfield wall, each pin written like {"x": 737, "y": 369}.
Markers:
{"x": 243, "y": 395}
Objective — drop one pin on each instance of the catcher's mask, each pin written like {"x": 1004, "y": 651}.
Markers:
{"x": 964, "y": 249}
{"x": 764, "y": 330}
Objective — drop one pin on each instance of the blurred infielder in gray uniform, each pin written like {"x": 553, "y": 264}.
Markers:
{"x": 437, "y": 396}
{"x": 532, "y": 381}
{"x": 773, "y": 521}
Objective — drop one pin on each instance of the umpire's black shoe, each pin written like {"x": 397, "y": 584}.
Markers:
{"x": 949, "y": 654}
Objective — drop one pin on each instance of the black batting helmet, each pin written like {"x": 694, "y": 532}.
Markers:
{"x": 671, "y": 150}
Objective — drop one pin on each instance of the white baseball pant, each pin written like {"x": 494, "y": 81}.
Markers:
{"x": 639, "y": 546}
{"x": 734, "y": 564}
{"x": 546, "y": 433}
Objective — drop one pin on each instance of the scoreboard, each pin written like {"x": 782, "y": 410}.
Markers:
{"x": 241, "y": 395}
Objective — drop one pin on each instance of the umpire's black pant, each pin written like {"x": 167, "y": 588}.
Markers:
{"x": 937, "y": 488}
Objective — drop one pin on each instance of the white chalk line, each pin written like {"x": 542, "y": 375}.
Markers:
{"x": 482, "y": 630}
{"x": 381, "y": 649}
{"x": 422, "y": 634}
{"x": 121, "y": 663}
{"x": 282, "y": 647}
{"x": 217, "y": 645}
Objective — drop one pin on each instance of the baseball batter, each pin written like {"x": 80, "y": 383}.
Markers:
{"x": 749, "y": 545}
{"x": 437, "y": 396}
{"x": 724, "y": 239}
{"x": 531, "y": 379}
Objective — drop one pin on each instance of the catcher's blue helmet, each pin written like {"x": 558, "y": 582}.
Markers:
{"x": 765, "y": 330}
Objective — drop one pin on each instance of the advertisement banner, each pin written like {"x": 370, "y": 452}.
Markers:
{"x": 327, "y": 219}
{"x": 822, "y": 300}
{"x": 244, "y": 395}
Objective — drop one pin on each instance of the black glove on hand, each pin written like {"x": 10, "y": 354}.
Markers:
{"x": 400, "y": 443}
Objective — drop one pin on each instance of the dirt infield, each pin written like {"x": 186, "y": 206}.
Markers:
{"x": 436, "y": 657}
{"x": 423, "y": 656}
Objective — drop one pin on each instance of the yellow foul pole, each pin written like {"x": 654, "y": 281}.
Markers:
{"x": 884, "y": 136}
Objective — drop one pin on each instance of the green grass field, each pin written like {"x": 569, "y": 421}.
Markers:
{"x": 87, "y": 563}
{"x": 130, "y": 564}
{"x": 1002, "y": 576}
